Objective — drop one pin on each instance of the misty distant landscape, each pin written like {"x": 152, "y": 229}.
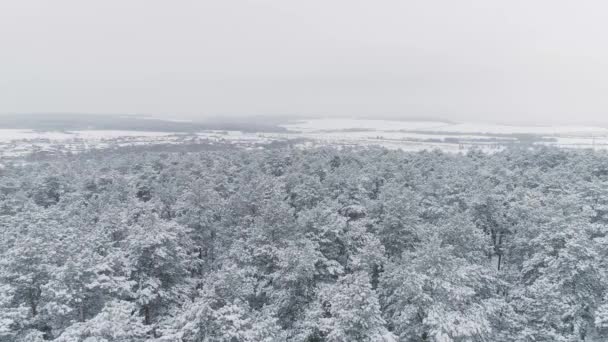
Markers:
{"x": 303, "y": 171}
{"x": 47, "y": 134}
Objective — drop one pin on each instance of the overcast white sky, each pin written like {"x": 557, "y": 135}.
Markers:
{"x": 542, "y": 61}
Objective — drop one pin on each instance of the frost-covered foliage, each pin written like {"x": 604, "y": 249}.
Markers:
{"x": 318, "y": 245}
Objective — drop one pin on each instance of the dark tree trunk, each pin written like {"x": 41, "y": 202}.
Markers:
{"x": 147, "y": 320}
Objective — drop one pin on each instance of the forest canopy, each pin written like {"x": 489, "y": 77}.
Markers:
{"x": 309, "y": 245}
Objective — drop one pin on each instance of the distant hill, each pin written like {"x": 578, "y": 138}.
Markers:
{"x": 75, "y": 122}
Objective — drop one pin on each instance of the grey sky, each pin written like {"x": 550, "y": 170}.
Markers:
{"x": 511, "y": 61}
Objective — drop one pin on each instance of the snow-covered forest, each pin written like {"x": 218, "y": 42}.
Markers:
{"x": 308, "y": 245}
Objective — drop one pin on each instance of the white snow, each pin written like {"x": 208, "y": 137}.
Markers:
{"x": 330, "y": 124}
{"x": 404, "y": 135}
{"x": 321, "y": 125}
{"x": 7, "y": 135}
{"x": 507, "y": 129}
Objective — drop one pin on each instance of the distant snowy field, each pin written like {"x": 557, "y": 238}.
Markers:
{"x": 405, "y": 135}
{"x": 15, "y": 143}
{"x": 319, "y": 125}
{"x": 9, "y": 135}
{"x": 416, "y": 135}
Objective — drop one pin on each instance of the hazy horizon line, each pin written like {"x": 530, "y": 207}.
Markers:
{"x": 289, "y": 117}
